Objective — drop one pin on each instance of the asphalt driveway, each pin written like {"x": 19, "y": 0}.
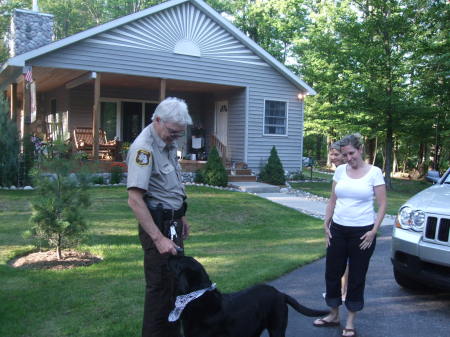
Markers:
{"x": 390, "y": 311}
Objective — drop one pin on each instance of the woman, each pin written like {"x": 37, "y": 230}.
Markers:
{"x": 335, "y": 155}
{"x": 337, "y": 159}
{"x": 350, "y": 229}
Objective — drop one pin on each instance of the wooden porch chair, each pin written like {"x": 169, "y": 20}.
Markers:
{"x": 83, "y": 141}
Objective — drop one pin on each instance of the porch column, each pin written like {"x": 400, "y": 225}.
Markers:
{"x": 162, "y": 90}
{"x": 26, "y": 110}
{"x": 13, "y": 102}
{"x": 96, "y": 117}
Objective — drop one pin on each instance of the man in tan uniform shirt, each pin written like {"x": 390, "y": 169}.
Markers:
{"x": 157, "y": 197}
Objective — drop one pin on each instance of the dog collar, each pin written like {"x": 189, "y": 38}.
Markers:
{"x": 183, "y": 300}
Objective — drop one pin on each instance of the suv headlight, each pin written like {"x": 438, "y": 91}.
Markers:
{"x": 418, "y": 220}
{"x": 409, "y": 218}
{"x": 404, "y": 217}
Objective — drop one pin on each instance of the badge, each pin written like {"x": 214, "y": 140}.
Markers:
{"x": 143, "y": 157}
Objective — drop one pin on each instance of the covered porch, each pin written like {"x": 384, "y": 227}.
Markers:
{"x": 116, "y": 107}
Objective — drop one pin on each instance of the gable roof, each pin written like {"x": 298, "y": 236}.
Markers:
{"x": 20, "y": 60}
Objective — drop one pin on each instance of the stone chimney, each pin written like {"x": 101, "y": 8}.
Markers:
{"x": 29, "y": 30}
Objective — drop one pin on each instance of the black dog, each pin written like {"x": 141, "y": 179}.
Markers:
{"x": 245, "y": 313}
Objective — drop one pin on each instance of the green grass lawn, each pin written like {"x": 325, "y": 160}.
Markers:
{"x": 241, "y": 239}
{"x": 401, "y": 191}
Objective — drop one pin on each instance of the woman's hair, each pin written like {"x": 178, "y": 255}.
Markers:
{"x": 335, "y": 146}
{"x": 353, "y": 140}
{"x": 173, "y": 110}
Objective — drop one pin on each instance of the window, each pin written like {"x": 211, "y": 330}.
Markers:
{"x": 108, "y": 119}
{"x": 275, "y": 118}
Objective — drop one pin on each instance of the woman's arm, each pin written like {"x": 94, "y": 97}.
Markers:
{"x": 329, "y": 213}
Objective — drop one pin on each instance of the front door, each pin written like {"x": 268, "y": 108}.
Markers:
{"x": 132, "y": 120}
{"x": 221, "y": 122}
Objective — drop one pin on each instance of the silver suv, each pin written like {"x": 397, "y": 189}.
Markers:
{"x": 421, "y": 238}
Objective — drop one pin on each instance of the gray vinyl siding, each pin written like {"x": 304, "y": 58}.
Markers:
{"x": 263, "y": 82}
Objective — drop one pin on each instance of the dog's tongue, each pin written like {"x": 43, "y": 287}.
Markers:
{"x": 183, "y": 300}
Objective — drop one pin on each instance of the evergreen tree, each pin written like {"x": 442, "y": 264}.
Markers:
{"x": 58, "y": 216}
{"x": 214, "y": 172}
{"x": 273, "y": 172}
{"x": 9, "y": 145}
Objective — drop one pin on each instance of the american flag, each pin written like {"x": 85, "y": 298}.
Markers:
{"x": 29, "y": 75}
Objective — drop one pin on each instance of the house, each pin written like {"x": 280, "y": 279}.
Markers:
{"x": 112, "y": 77}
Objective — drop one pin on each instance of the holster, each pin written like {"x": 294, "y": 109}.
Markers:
{"x": 164, "y": 219}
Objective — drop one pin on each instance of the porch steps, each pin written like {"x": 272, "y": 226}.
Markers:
{"x": 235, "y": 178}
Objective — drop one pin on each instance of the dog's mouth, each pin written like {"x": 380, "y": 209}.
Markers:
{"x": 183, "y": 300}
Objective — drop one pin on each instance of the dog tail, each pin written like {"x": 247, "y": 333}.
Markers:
{"x": 302, "y": 309}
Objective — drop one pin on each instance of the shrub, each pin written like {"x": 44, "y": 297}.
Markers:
{"x": 198, "y": 178}
{"x": 9, "y": 145}
{"x": 273, "y": 172}
{"x": 214, "y": 172}
{"x": 98, "y": 179}
{"x": 116, "y": 173}
{"x": 58, "y": 210}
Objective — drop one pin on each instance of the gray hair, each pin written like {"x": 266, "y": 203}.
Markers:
{"x": 353, "y": 140}
{"x": 173, "y": 110}
{"x": 335, "y": 146}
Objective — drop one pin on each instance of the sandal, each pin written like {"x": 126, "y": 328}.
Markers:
{"x": 324, "y": 323}
{"x": 346, "y": 331}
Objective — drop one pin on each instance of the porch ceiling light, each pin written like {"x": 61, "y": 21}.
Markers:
{"x": 301, "y": 96}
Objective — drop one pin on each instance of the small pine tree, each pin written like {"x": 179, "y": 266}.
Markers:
{"x": 9, "y": 145}
{"x": 273, "y": 172}
{"x": 58, "y": 210}
{"x": 214, "y": 172}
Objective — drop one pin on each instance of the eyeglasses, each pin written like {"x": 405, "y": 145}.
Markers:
{"x": 174, "y": 133}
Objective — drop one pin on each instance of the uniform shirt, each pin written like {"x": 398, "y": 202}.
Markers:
{"x": 354, "y": 204}
{"x": 153, "y": 167}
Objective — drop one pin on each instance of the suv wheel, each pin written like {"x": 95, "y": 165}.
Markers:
{"x": 406, "y": 281}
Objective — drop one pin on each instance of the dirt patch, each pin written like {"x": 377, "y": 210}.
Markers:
{"x": 49, "y": 260}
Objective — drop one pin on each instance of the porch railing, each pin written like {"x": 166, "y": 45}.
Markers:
{"x": 221, "y": 148}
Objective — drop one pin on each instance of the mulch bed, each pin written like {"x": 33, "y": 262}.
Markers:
{"x": 49, "y": 260}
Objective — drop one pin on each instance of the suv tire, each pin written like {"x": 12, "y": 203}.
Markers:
{"x": 406, "y": 281}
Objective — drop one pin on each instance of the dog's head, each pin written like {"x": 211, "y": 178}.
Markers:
{"x": 189, "y": 273}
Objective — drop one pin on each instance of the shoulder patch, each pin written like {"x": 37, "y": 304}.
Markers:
{"x": 143, "y": 157}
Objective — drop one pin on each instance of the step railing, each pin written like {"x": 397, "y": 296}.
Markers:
{"x": 221, "y": 148}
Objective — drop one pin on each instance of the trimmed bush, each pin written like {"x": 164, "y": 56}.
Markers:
{"x": 273, "y": 172}
{"x": 214, "y": 172}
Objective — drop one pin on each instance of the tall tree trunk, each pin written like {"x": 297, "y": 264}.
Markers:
{"x": 319, "y": 148}
{"x": 437, "y": 147}
{"x": 395, "y": 160}
{"x": 329, "y": 142}
{"x": 388, "y": 157}
{"x": 371, "y": 147}
{"x": 421, "y": 162}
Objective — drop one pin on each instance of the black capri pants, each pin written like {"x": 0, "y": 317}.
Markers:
{"x": 343, "y": 248}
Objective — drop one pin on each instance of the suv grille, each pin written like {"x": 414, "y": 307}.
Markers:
{"x": 438, "y": 230}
